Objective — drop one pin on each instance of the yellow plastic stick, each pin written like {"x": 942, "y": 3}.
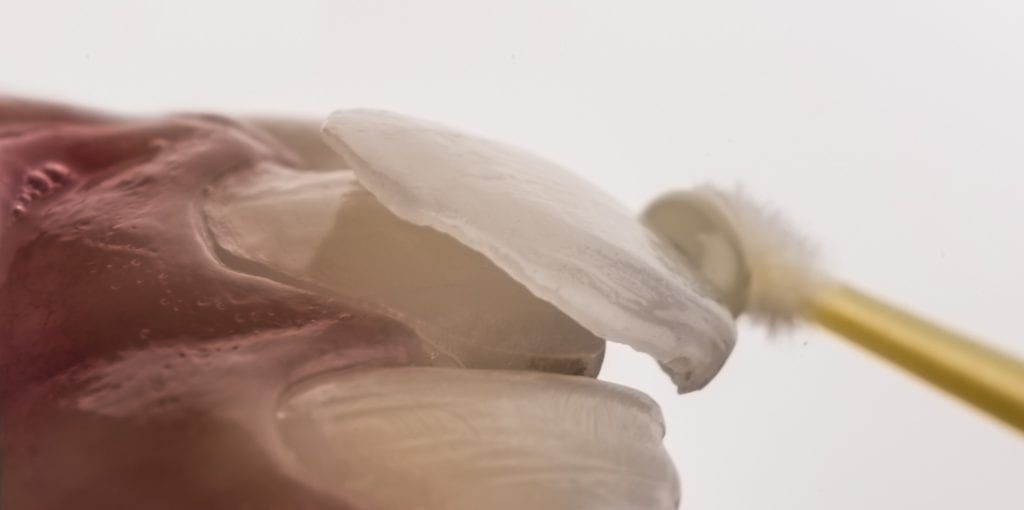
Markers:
{"x": 990, "y": 380}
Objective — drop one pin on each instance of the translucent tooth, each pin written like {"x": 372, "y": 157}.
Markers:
{"x": 564, "y": 239}
{"x": 324, "y": 229}
{"x": 434, "y": 438}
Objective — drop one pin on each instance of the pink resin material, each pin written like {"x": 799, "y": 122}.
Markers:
{"x": 102, "y": 254}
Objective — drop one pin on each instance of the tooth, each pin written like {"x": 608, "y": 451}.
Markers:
{"x": 564, "y": 239}
{"x": 324, "y": 229}
{"x": 451, "y": 439}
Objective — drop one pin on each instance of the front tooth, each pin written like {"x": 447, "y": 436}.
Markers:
{"x": 564, "y": 239}
{"x": 451, "y": 439}
{"x": 325, "y": 229}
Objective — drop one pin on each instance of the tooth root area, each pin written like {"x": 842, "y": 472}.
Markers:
{"x": 435, "y": 438}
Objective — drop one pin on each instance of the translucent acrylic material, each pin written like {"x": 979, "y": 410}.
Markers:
{"x": 564, "y": 239}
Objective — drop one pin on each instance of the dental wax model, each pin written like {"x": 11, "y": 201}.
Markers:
{"x": 200, "y": 312}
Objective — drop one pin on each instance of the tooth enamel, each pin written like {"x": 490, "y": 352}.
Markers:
{"x": 324, "y": 229}
{"x": 564, "y": 239}
{"x": 451, "y": 439}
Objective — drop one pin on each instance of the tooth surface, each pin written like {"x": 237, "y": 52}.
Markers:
{"x": 324, "y": 229}
{"x": 453, "y": 439}
{"x": 564, "y": 239}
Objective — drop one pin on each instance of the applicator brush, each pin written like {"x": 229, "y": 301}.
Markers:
{"x": 762, "y": 268}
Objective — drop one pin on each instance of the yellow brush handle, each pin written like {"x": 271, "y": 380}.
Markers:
{"x": 990, "y": 380}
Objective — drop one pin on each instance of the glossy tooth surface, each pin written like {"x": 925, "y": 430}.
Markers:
{"x": 558, "y": 235}
{"x": 435, "y": 438}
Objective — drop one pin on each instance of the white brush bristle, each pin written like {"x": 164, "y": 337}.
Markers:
{"x": 782, "y": 263}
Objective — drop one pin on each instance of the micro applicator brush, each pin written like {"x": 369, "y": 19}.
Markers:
{"x": 761, "y": 267}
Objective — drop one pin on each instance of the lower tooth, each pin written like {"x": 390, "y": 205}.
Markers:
{"x": 435, "y": 438}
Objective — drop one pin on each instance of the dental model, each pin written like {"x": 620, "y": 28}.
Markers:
{"x": 200, "y": 312}
{"x": 385, "y": 314}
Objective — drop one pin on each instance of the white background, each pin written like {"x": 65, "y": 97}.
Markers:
{"x": 891, "y": 131}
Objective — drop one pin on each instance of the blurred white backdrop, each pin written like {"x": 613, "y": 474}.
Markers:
{"x": 891, "y": 131}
